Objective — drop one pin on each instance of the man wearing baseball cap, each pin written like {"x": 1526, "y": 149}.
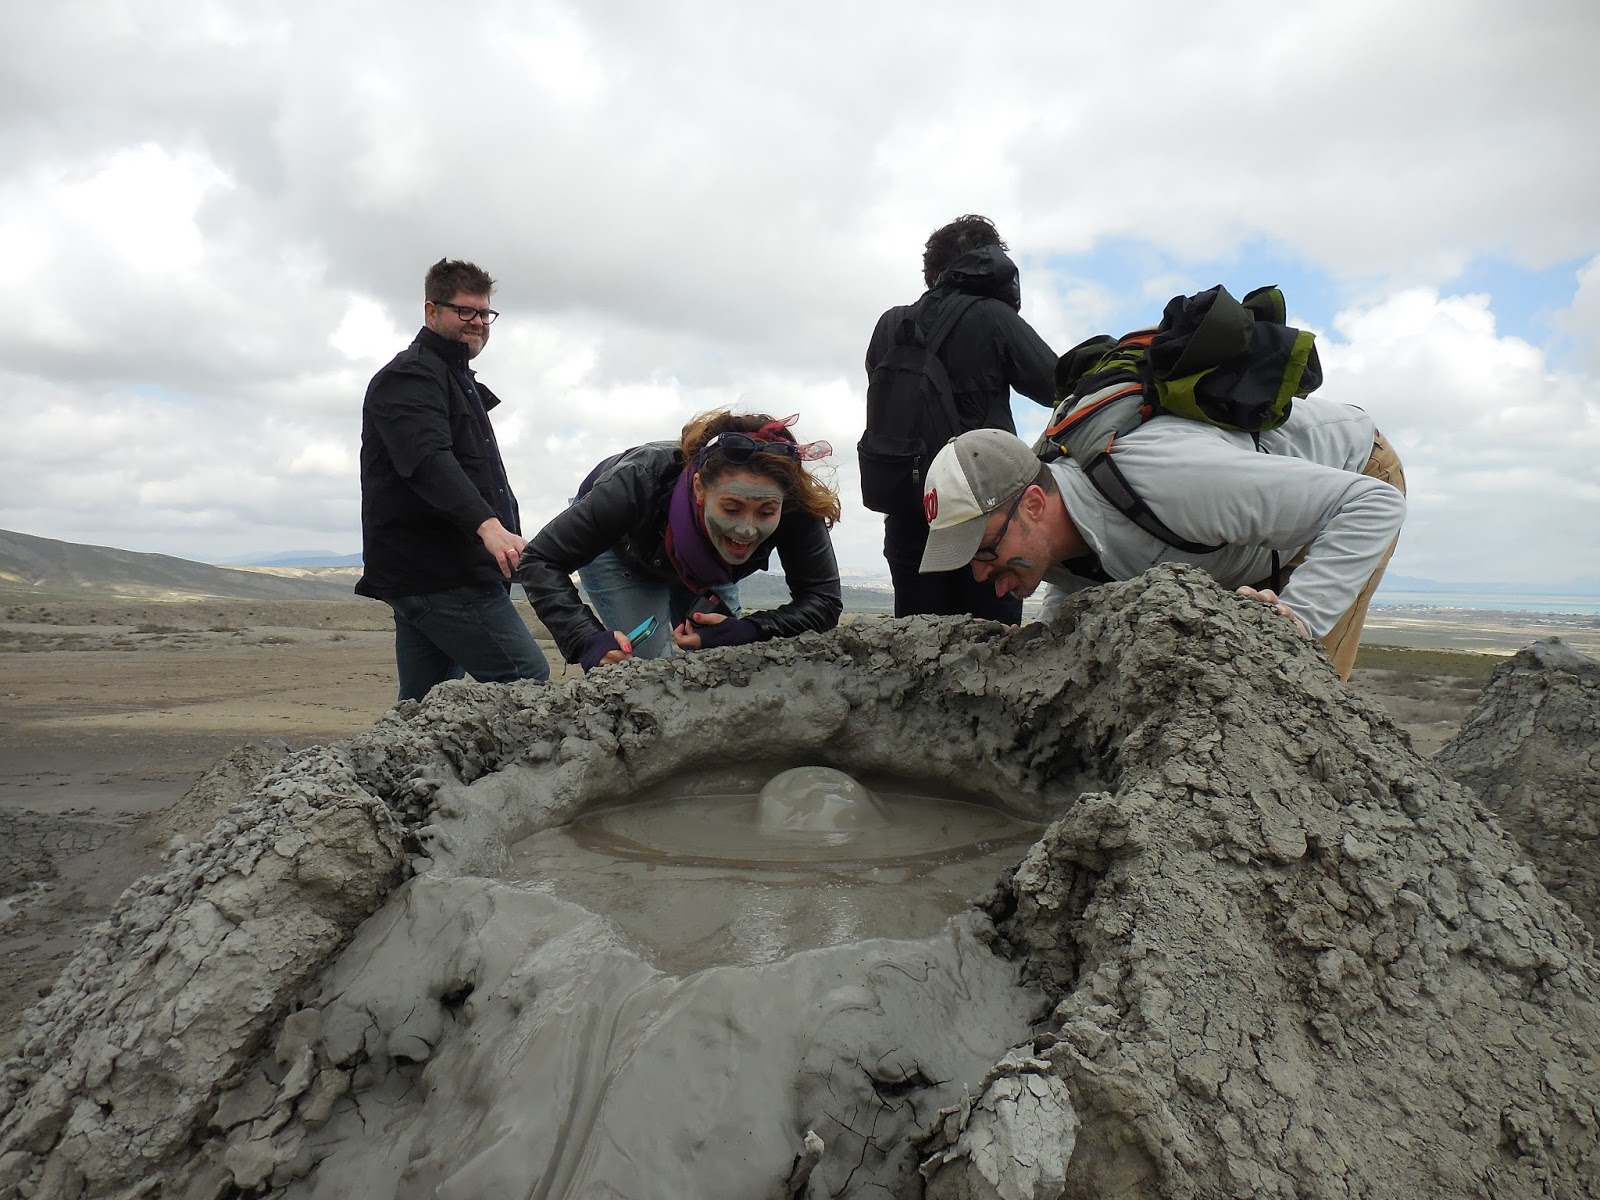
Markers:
{"x": 1319, "y": 503}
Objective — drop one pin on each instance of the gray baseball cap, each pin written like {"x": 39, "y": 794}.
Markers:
{"x": 974, "y": 475}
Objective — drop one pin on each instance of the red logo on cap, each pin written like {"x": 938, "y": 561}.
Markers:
{"x": 930, "y": 503}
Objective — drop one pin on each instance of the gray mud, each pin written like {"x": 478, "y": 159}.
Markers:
{"x": 1531, "y": 751}
{"x": 1278, "y": 953}
{"x": 694, "y": 879}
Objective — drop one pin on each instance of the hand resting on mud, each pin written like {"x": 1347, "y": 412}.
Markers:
{"x": 1268, "y": 596}
{"x": 606, "y": 647}
{"x": 702, "y": 631}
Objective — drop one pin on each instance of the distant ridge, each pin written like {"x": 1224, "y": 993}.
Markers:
{"x": 768, "y": 589}
{"x": 38, "y": 568}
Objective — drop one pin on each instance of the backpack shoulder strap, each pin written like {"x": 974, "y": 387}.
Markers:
{"x": 913, "y": 328}
{"x": 954, "y": 309}
{"x": 1110, "y": 482}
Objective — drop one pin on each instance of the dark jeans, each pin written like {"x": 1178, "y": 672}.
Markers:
{"x": 943, "y": 593}
{"x": 623, "y": 597}
{"x": 473, "y": 630}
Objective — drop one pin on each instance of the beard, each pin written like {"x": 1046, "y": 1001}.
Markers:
{"x": 1021, "y": 577}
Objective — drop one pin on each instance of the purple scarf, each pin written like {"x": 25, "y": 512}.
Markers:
{"x": 688, "y": 548}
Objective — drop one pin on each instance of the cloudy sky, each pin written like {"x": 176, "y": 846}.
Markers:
{"x": 216, "y": 217}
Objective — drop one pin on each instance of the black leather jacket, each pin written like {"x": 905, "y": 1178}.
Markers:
{"x": 626, "y": 511}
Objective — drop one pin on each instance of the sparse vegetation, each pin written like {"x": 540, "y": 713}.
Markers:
{"x": 1463, "y": 664}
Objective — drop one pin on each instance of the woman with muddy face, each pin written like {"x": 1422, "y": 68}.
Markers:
{"x": 662, "y": 533}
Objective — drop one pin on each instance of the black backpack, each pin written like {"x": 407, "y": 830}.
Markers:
{"x": 911, "y": 411}
{"x": 1214, "y": 359}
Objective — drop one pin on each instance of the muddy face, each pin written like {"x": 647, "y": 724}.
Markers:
{"x": 742, "y": 510}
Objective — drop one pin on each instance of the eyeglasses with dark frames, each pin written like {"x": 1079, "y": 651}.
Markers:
{"x": 991, "y": 552}
{"x": 468, "y": 314}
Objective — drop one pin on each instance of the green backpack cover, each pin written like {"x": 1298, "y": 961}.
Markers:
{"x": 1230, "y": 363}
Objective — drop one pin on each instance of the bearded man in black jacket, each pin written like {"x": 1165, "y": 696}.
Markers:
{"x": 990, "y": 352}
{"x": 440, "y": 529}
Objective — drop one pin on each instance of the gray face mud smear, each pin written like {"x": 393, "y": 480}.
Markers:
{"x": 707, "y": 874}
{"x": 1277, "y": 952}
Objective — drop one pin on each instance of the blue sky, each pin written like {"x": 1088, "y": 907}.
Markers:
{"x": 1524, "y": 300}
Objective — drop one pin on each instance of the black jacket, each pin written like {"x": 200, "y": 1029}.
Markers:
{"x": 431, "y": 473}
{"x": 626, "y": 511}
{"x": 991, "y": 350}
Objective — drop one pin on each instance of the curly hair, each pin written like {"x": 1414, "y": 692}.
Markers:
{"x": 950, "y": 242}
{"x": 804, "y": 489}
{"x": 452, "y": 277}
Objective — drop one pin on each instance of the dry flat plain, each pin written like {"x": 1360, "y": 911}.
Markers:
{"x": 109, "y": 712}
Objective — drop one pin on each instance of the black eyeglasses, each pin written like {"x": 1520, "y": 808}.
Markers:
{"x": 740, "y": 448}
{"x": 991, "y": 552}
{"x": 468, "y": 314}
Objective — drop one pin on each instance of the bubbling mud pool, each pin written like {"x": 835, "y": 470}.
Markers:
{"x": 739, "y": 869}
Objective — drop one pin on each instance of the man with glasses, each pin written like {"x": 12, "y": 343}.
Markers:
{"x": 440, "y": 528}
{"x": 1305, "y": 521}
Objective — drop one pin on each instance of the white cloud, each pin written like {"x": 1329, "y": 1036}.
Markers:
{"x": 220, "y": 218}
{"x": 1580, "y": 321}
{"x": 366, "y": 333}
{"x": 1499, "y": 448}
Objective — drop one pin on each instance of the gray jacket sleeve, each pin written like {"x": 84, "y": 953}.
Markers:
{"x": 1216, "y": 488}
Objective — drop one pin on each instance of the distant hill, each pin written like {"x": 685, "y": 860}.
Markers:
{"x": 765, "y": 589}
{"x": 34, "y": 568}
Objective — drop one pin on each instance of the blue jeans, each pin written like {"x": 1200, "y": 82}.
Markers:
{"x": 466, "y": 630}
{"x": 623, "y": 597}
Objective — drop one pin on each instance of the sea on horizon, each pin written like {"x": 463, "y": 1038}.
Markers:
{"x": 1483, "y": 602}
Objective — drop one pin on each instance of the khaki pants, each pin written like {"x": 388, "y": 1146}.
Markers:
{"x": 1342, "y": 641}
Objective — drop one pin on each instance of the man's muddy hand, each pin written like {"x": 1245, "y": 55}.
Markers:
{"x": 1268, "y": 596}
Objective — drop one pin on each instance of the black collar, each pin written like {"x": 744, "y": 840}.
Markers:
{"x": 454, "y": 353}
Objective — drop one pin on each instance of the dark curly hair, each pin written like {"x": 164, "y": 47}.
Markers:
{"x": 950, "y": 242}
{"x": 452, "y": 277}
{"x": 799, "y": 485}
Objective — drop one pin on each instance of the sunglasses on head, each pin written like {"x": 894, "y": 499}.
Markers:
{"x": 740, "y": 448}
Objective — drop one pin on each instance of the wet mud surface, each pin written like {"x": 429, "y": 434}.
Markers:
{"x": 1258, "y": 947}
{"x": 698, "y": 881}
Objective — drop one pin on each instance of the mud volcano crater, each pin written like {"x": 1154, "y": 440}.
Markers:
{"x": 737, "y": 866}
{"x": 1259, "y": 948}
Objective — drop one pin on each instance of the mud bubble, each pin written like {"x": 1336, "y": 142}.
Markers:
{"x": 738, "y": 868}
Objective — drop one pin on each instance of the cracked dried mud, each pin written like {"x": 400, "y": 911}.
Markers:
{"x": 1253, "y": 944}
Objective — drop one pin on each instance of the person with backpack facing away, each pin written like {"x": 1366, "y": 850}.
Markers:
{"x": 661, "y": 534}
{"x": 969, "y": 320}
{"x": 1317, "y": 502}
